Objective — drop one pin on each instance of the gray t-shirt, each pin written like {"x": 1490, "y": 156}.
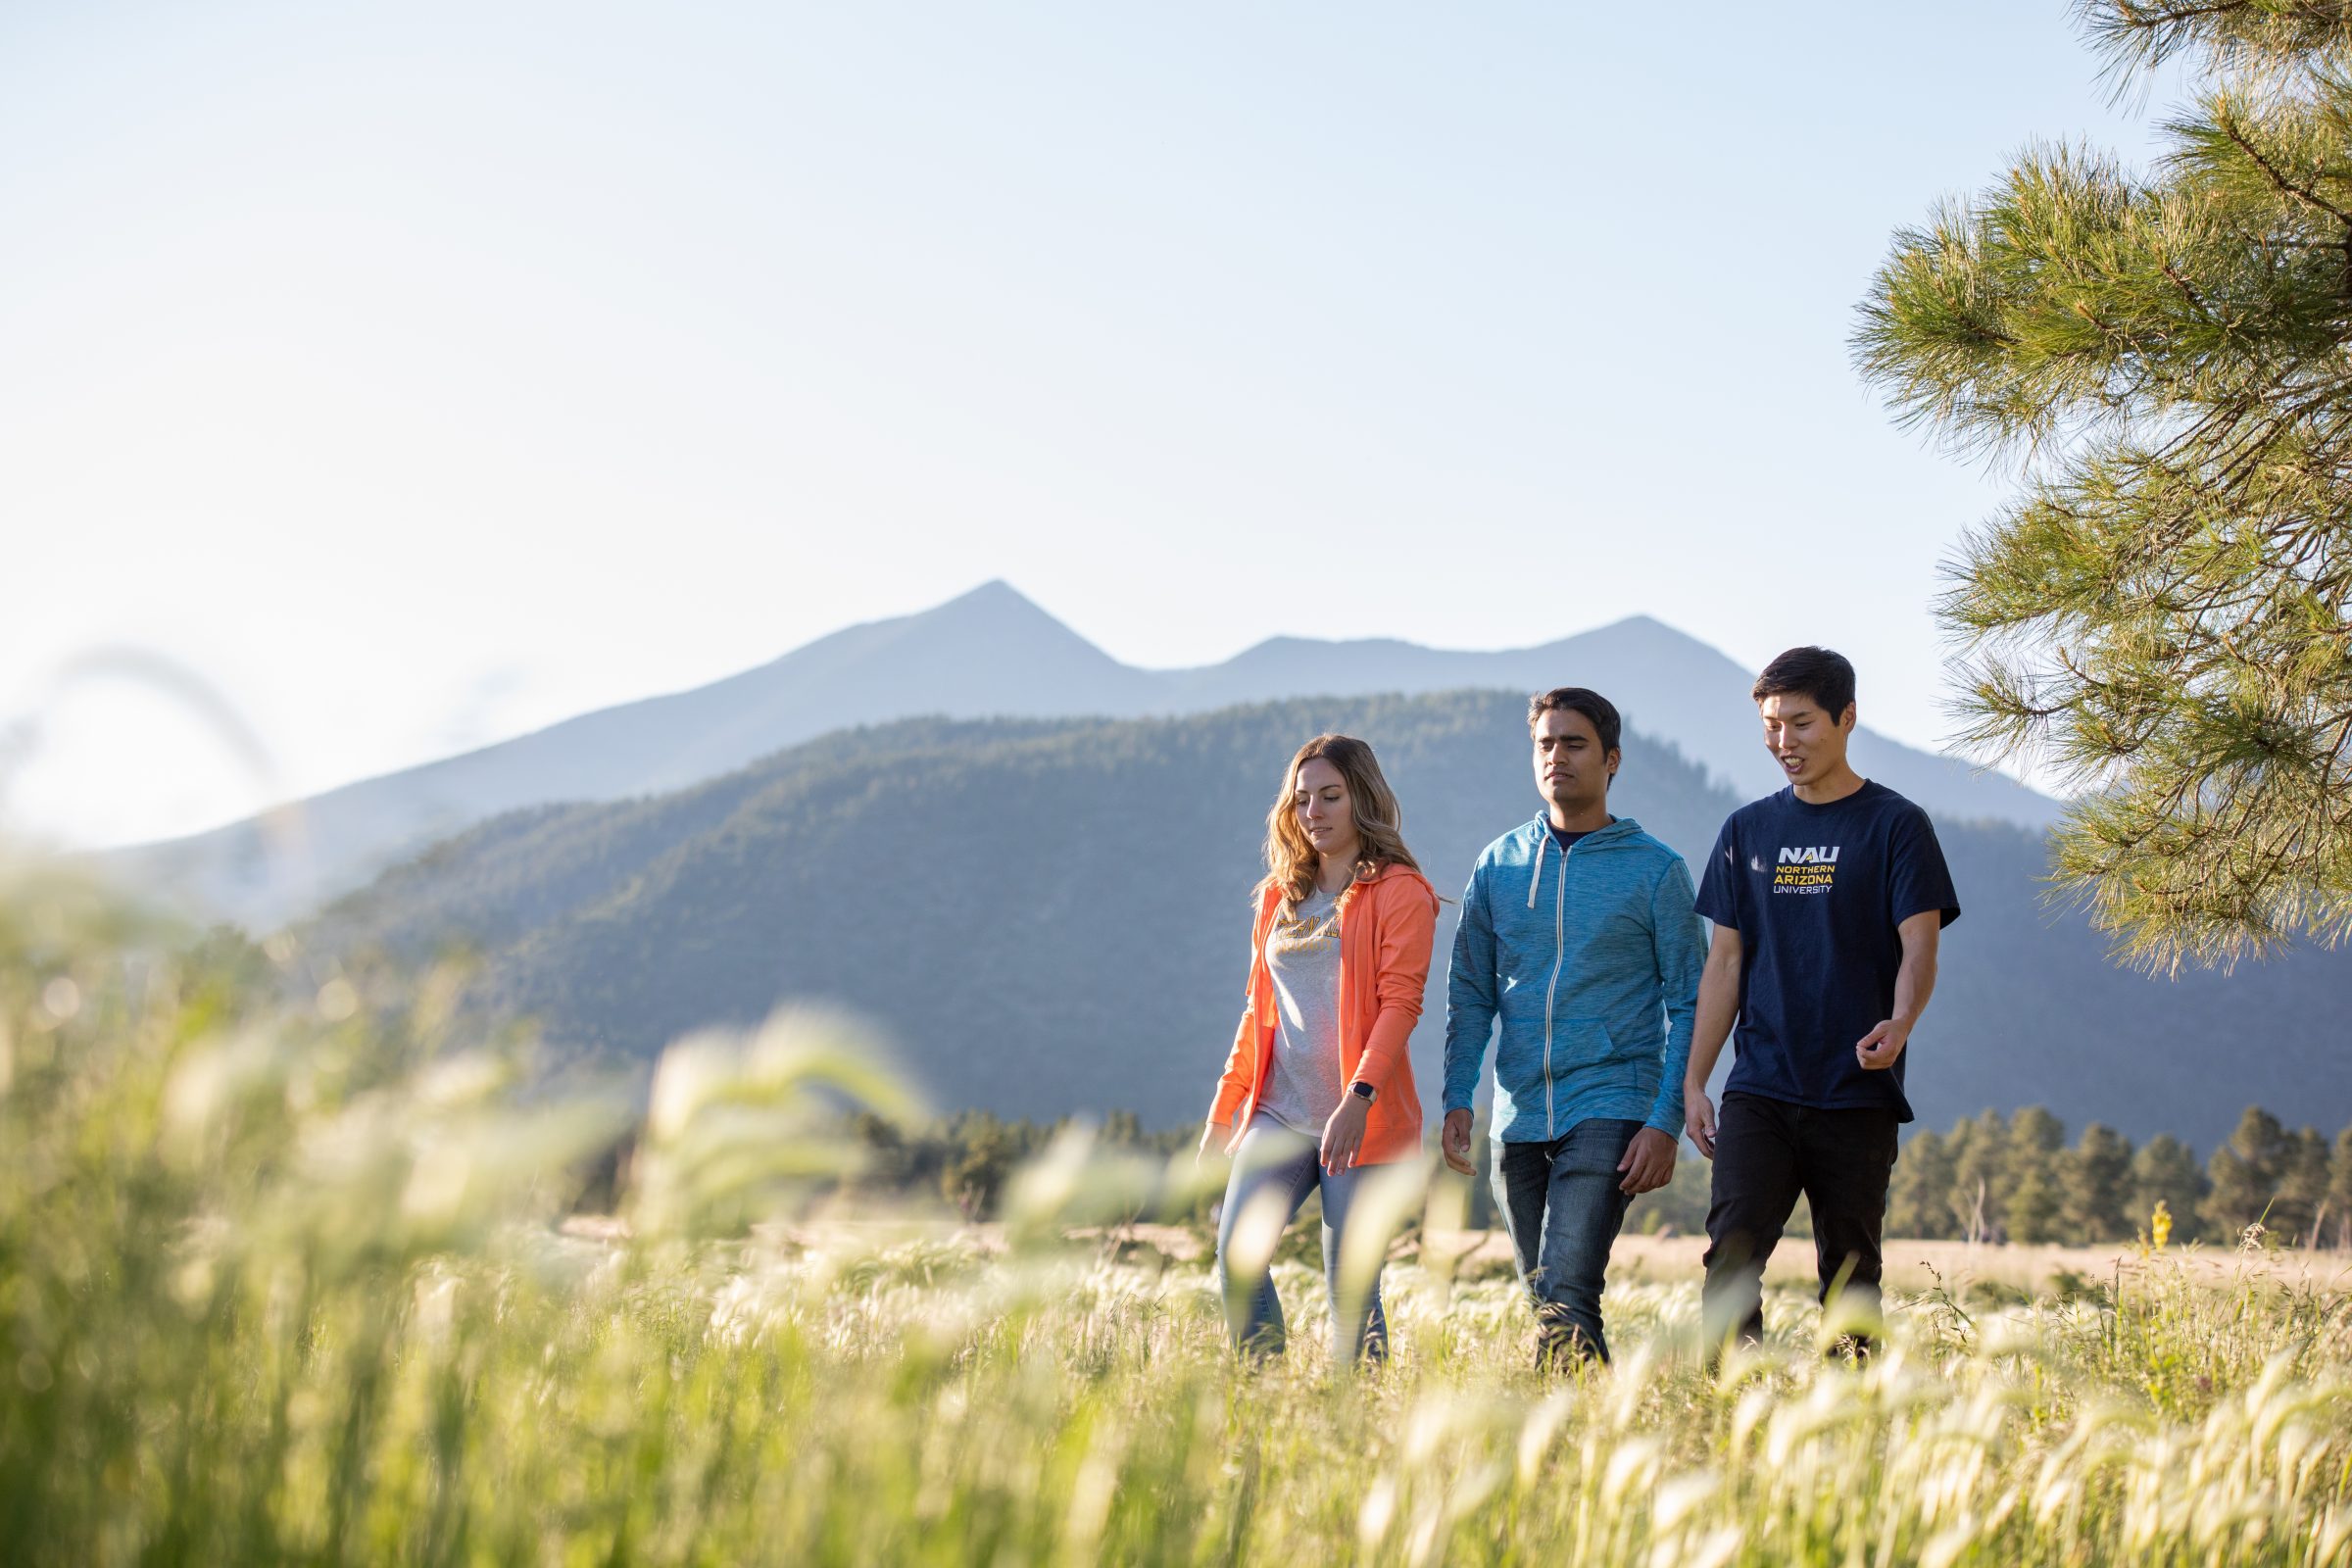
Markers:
{"x": 1303, "y": 954}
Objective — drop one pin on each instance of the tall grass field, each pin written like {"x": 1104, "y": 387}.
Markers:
{"x": 285, "y": 1281}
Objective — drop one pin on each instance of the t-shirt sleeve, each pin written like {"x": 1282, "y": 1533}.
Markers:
{"x": 1719, "y": 889}
{"x": 1918, "y": 880}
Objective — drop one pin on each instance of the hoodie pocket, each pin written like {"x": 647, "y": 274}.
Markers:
{"x": 1579, "y": 1043}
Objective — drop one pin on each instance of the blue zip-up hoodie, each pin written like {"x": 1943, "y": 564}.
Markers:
{"x": 1587, "y": 957}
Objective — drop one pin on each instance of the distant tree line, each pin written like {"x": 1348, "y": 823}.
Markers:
{"x": 1991, "y": 1178}
{"x": 967, "y": 1158}
{"x": 2014, "y": 1179}
{"x": 1995, "y": 1178}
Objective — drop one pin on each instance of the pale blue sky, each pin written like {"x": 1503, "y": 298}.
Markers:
{"x": 419, "y": 373}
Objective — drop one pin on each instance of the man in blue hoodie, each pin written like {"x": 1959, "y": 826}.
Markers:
{"x": 1579, "y": 937}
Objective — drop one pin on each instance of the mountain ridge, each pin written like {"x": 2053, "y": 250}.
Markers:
{"x": 991, "y": 651}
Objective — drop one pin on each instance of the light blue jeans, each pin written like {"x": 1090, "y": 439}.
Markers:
{"x": 1272, "y": 1155}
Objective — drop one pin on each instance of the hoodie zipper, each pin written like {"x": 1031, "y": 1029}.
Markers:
{"x": 1560, "y": 954}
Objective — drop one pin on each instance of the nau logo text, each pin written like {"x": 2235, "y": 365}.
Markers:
{"x": 1806, "y": 868}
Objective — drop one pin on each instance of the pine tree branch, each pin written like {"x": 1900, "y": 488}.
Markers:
{"x": 2279, "y": 180}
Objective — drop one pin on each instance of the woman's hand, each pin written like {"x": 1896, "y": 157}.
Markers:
{"x": 1344, "y": 1134}
{"x": 1212, "y": 1136}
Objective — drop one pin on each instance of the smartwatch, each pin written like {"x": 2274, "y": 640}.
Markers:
{"x": 1361, "y": 1091}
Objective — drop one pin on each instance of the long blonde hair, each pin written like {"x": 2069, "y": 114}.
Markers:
{"x": 1292, "y": 861}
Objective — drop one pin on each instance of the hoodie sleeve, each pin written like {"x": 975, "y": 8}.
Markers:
{"x": 1407, "y": 927}
{"x": 1470, "y": 994}
{"x": 1679, "y": 941}
{"x": 1241, "y": 1062}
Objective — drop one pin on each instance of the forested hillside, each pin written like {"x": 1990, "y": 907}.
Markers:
{"x": 1052, "y": 917}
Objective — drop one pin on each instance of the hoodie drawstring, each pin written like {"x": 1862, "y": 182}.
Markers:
{"x": 1542, "y": 839}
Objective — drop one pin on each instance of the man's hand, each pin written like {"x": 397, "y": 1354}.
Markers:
{"x": 1878, "y": 1049}
{"x": 1455, "y": 1141}
{"x": 1344, "y": 1134}
{"x": 1215, "y": 1134}
{"x": 1648, "y": 1162}
{"x": 1698, "y": 1119}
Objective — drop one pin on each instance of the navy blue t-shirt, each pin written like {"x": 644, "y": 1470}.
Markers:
{"x": 1566, "y": 840}
{"x": 1816, "y": 893}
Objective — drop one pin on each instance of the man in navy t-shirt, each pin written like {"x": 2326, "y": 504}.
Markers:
{"x": 1826, "y": 899}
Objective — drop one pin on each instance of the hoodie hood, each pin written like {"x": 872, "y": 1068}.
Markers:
{"x": 1621, "y": 832}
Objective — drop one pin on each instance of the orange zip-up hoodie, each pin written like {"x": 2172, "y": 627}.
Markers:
{"x": 1387, "y": 924}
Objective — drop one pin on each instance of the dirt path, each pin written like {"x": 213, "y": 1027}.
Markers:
{"x": 1911, "y": 1265}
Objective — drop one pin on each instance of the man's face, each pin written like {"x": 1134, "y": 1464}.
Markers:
{"x": 1803, "y": 738}
{"x": 1572, "y": 771}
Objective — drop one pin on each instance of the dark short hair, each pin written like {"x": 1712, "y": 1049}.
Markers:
{"x": 1580, "y": 700}
{"x": 1815, "y": 672}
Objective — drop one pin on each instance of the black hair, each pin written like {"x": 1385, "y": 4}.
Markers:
{"x": 1580, "y": 700}
{"x": 1816, "y": 672}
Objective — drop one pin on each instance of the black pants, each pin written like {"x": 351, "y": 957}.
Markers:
{"x": 1766, "y": 1153}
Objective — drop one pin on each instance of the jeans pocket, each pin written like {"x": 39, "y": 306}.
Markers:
{"x": 1594, "y": 1147}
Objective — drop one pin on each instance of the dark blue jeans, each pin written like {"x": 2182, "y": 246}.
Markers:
{"x": 1563, "y": 1203}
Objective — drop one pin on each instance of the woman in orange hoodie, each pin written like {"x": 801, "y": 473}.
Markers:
{"x": 1319, "y": 1086}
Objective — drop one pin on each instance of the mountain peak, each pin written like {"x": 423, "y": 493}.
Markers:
{"x": 1647, "y": 623}
{"x": 995, "y": 610}
{"x": 995, "y": 591}
{"x": 993, "y": 606}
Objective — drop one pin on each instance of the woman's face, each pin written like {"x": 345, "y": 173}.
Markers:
{"x": 1326, "y": 812}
